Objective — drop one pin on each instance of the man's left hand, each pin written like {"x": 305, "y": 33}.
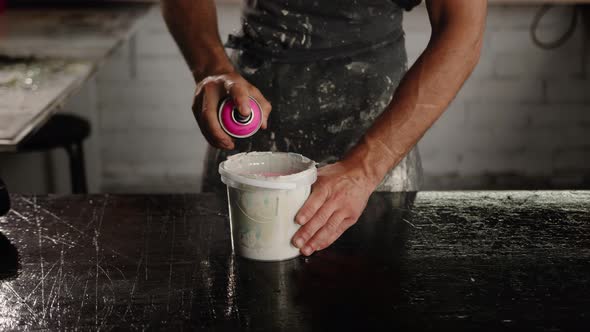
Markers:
{"x": 337, "y": 199}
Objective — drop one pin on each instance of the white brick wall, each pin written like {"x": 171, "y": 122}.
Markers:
{"x": 522, "y": 119}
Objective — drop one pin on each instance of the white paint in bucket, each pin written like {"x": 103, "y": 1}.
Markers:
{"x": 265, "y": 190}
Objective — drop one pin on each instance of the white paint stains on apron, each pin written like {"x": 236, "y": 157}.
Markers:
{"x": 329, "y": 68}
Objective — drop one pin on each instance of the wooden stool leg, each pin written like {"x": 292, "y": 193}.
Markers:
{"x": 77, "y": 168}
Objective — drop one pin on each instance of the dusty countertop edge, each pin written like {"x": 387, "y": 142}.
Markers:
{"x": 143, "y": 9}
{"x": 426, "y": 194}
{"x": 92, "y": 62}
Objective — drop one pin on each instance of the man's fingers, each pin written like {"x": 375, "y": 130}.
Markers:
{"x": 313, "y": 203}
{"x": 307, "y": 231}
{"x": 239, "y": 93}
{"x": 264, "y": 104}
{"x": 326, "y": 235}
{"x": 208, "y": 121}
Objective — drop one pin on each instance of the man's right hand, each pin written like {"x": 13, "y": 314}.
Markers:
{"x": 210, "y": 90}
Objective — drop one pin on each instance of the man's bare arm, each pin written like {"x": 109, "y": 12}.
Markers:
{"x": 193, "y": 24}
{"x": 343, "y": 188}
{"x": 428, "y": 87}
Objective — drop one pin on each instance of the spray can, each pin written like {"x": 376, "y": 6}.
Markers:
{"x": 237, "y": 125}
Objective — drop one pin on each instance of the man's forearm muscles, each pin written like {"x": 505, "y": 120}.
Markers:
{"x": 422, "y": 96}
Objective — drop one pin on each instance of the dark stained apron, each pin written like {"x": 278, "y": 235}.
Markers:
{"x": 329, "y": 68}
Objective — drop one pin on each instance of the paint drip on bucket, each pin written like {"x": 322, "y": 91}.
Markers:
{"x": 265, "y": 192}
{"x": 234, "y": 123}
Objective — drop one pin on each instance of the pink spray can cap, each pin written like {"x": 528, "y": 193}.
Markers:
{"x": 237, "y": 125}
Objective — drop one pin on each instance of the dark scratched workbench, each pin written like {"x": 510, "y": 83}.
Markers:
{"x": 454, "y": 261}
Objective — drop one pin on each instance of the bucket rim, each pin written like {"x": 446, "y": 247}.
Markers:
{"x": 305, "y": 177}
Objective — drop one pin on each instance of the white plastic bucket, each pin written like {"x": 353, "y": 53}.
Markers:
{"x": 265, "y": 190}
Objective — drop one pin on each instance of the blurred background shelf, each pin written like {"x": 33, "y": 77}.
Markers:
{"x": 72, "y": 31}
{"x": 35, "y": 39}
{"x": 48, "y": 53}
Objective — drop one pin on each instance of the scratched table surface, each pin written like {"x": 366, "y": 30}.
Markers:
{"x": 454, "y": 260}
